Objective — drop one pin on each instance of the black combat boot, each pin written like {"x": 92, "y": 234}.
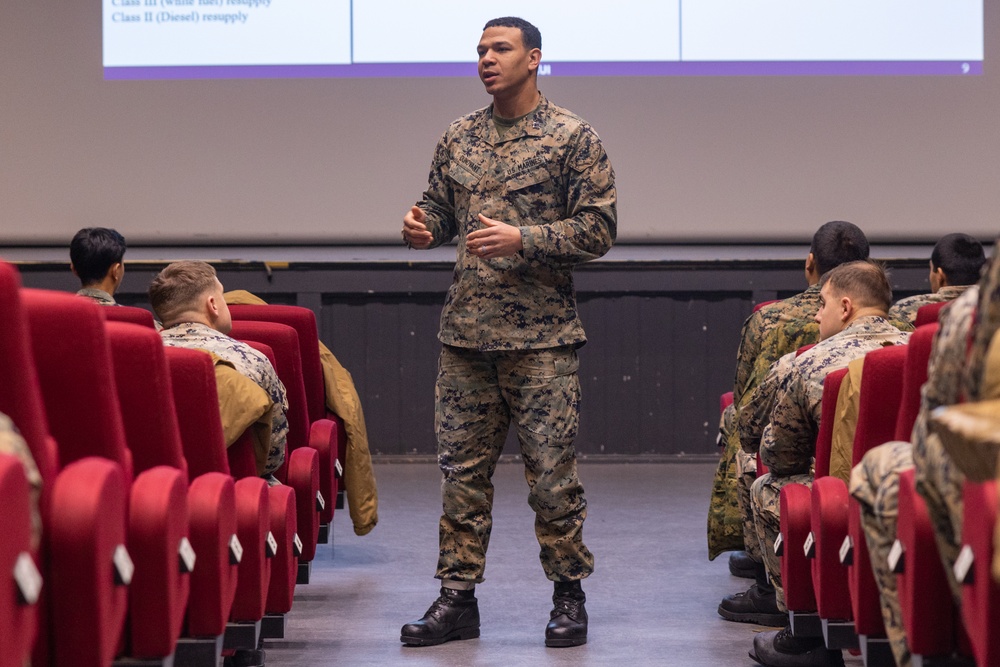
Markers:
{"x": 454, "y": 615}
{"x": 742, "y": 565}
{"x": 568, "y": 624}
{"x": 758, "y": 605}
{"x": 783, "y": 649}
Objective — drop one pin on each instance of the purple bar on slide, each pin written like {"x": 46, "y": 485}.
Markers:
{"x": 671, "y": 68}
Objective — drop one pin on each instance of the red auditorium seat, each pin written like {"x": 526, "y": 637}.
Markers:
{"x": 130, "y": 314}
{"x": 929, "y": 314}
{"x": 18, "y": 619}
{"x": 302, "y": 465}
{"x": 798, "y": 569}
{"x": 153, "y": 436}
{"x": 81, "y": 613}
{"x": 326, "y": 435}
{"x": 980, "y": 592}
{"x": 197, "y": 400}
{"x": 73, "y": 359}
{"x": 878, "y": 410}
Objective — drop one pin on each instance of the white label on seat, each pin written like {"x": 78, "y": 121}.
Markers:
{"x": 186, "y": 552}
{"x": 847, "y": 551}
{"x": 27, "y": 578}
{"x": 779, "y": 545}
{"x": 320, "y": 501}
{"x": 339, "y": 468}
{"x": 809, "y": 548}
{"x": 896, "y": 560}
{"x": 235, "y": 550}
{"x": 297, "y": 547}
{"x": 963, "y": 566}
{"x": 270, "y": 545}
{"x": 124, "y": 567}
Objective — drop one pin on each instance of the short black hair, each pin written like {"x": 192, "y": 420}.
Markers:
{"x": 93, "y": 251}
{"x": 836, "y": 243}
{"x": 960, "y": 257}
{"x": 530, "y": 35}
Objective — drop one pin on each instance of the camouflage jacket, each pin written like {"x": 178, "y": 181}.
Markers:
{"x": 987, "y": 324}
{"x": 906, "y": 309}
{"x": 12, "y": 443}
{"x": 754, "y": 357}
{"x": 789, "y": 440}
{"x": 98, "y": 296}
{"x": 549, "y": 176}
{"x": 250, "y": 363}
{"x": 944, "y": 367}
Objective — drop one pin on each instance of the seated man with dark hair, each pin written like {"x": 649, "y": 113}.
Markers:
{"x": 95, "y": 256}
{"x": 852, "y": 322}
{"x": 956, "y": 263}
{"x": 187, "y": 298}
{"x": 767, "y": 335}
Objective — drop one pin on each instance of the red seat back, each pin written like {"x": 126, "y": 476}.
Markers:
{"x": 881, "y": 392}
{"x": 145, "y": 396}
{"x": 303, "y": 321}
{"x": 929, "y": 314}
{"x": 18, "y": 622}
{"x": 130, "y": 314}
{"x": 71, "y": 352}
{"x": 196, "y": 401}
{"x": 918, "y": 353}
{"x": 981, "y": 595}
{"x": 20, "y": 395}
{"x": 284, "y": 343}
{"x": 828, "y": 417}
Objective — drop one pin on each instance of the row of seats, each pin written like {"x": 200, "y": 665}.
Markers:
{"x": 829, "y": 585}
{"x": 158, "y": 543}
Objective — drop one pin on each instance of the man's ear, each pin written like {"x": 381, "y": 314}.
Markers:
{"x": 942, "y": 279}
{"x": 812, "y": 275}
{"x": 846, "y": 308}
{"x": 73, "y": 269}
{"x": 534, "y": 57}
{"x": 212, "y": 306}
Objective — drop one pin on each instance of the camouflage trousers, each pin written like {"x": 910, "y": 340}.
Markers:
{"x": 725, "y": 521}
{"x": 875, "y": 485}
{"x": 765, "y": 496}
{"x": 746, "y": 475}
{"x": 478, "y": 395}
{"x": 939, "y": 483}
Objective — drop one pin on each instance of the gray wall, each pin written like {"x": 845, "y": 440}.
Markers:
{"x": 662, "y": 339}
{"x": 724, "y": 159}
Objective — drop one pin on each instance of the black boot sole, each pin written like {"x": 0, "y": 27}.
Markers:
{"x": 565, "y": 643}
{"x": 760, "y": 618}
{"x": 454, "y": 635}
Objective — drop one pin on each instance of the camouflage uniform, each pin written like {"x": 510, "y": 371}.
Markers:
{"x": 788, "y": 442}
{"x": 12, "y": 443}
{"x": 250, "y": 363}
{"x": 769, "y": 333}
{"x": 906, "y": 309}
{"x": 510, "y": 325}
{"x": 99, "y": 296}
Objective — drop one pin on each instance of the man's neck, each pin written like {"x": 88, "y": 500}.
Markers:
{"x": 107, "y": 286}
{"x": 866, "y": 312}
{"x": 189, "y": 317}
{"x": 518, "y": 103}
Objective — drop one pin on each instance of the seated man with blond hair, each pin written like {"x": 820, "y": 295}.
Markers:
{"x": 187, "y": 298}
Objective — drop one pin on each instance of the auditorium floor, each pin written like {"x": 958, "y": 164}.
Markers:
{"x": 652, "y": 598}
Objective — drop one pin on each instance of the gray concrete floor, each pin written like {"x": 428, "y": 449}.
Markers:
{"x": 652, "y": 598}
